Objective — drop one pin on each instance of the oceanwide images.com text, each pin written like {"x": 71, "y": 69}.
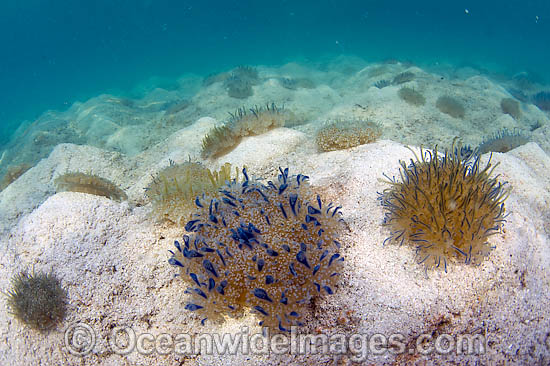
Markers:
{"x": 80, "y": 340}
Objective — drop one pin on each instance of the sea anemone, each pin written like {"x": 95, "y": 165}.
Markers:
{"x": 248, "y": 73}
{"x": 340, "y": 134}
{"x": 254, "y": 121}
{"x": 296, "y": 83}
{"x": 411, "y": 96}
{"x": 403, "y": 77}
{"x": 270, "y": 248}
{"x": 239, "y": 84}
{"x": 238, "y": 88}
{"x": 510, "y": 106}
{"x": 89, "y": 183}
{"x": 446, "y": 207}
{"x": 12, "y": 173}
{"x": 257, "y": 120}
{"x": 450, "y": 106}
{"x": 37, "y": 300}
{"x": 503, "y": 141}
{"x": 219, "y": 141}
{"x": 381, "y": 84}
{"x": 542, "y": 100}
{"x": 174, "y": 189}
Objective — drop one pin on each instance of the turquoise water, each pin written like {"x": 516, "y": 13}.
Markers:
{"x": 57, "y": 52}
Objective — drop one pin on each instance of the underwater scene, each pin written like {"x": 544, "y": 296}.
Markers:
{"x": 275, "y": 183}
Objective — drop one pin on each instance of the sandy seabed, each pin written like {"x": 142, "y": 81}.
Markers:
{"x": 112, "y": 258}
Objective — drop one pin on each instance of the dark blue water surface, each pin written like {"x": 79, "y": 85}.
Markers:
{"x": 56, "y": 52}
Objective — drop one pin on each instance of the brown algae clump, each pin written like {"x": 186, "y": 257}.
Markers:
{"x": 254, "y": 121}
{"x": 37, "y": 300}
{"x": 340, "y": 134}
{"x": 446, "y": 207}
{"x": 174, "y": 189}
{"x": 269, "y": 248}
{"x": 89, "y": 183}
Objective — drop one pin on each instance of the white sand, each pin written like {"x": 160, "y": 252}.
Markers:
{"x": 113, "y": 263}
